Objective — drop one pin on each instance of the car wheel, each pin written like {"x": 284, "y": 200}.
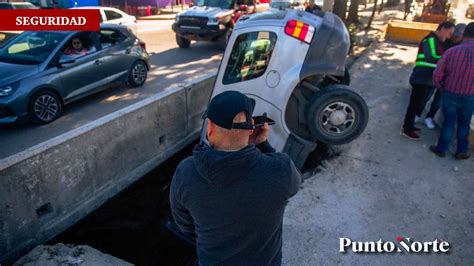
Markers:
{"x": 138, "y": 74}
{"x": 182, "y": 42}
{"x": 44, "y": 107}
{"x": 224, "y": 39}
{"x": 337, "y": 115}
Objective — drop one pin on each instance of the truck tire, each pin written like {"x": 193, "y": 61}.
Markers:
{"x": 182, "y": 42}
{"x": 224, "y": 39}
{"x": 337, "y": 115}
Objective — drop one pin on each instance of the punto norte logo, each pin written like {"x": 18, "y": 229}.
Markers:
{"x": 401, "y": 245}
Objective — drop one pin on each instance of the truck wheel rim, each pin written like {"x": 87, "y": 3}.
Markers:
{"x": 337, "y": 118}
{"x": 46, "y": 107}
{"x": 139, "y": 73}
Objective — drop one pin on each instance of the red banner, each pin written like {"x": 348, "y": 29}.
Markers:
{"x": 50, "y": 19}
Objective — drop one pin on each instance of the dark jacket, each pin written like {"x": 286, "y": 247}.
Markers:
{"x": 232, "y": 203}
{"x": 429, "y": 52}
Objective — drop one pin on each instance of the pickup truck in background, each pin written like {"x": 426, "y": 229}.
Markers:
{"x": 212, "y": 20}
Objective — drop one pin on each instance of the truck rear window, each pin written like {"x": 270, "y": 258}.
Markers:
{"x": 250, "y": 56}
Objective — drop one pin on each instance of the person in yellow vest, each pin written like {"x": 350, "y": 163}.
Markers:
{"x": 429, "y": 52}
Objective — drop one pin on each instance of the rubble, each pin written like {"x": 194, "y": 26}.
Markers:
{"x": 61, "y": 254}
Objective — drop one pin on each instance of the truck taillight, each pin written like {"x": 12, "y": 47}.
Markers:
{"x": 143, "y": 45}
{"x": 299, "y": 30}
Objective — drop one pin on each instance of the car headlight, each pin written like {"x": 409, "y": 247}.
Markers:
{"x": 212, "y": 21}
{"x": 9, "y": 89}
{"x": 177, "y": 18}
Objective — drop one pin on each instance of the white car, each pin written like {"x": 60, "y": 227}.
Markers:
{"x": 110, "y": 15}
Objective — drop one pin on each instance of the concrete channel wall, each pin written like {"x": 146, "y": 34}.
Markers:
{"x": 47, "y": 188}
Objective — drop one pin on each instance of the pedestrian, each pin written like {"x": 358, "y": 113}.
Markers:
{"x": 454, "y": 76}
{"x": 312, "y": 7}
{"x": 421, "y": 79}
{"x": 434, "y": 93}
{"x": 230, "y": 195}
{"x": 408, "y": 7}
{"x": 434, "y": 107}
{"x": 457, "y": 36}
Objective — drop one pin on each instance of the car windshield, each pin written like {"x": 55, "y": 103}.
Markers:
{"x": 30, "y": 47}
{"x": 24, "y": 6}
{"x": 280, "y": 4}
{"x": 224, "y": 4}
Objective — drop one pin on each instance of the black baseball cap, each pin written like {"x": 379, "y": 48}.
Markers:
{"x": 225, "y": 106}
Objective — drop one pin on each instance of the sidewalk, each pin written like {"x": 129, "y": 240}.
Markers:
{"x": 159, "y": 17}
{"x": 167, "y": 13}
{"x": 383, "y": 185}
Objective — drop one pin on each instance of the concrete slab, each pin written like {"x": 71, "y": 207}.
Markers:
{"x": 61, "y": 254}
{"x": 383, "y": 186}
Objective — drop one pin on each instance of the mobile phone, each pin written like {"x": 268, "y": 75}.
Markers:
{"x": 261, "y": 119}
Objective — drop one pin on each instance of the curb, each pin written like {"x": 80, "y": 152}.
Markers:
{"x": 158, "y": 17}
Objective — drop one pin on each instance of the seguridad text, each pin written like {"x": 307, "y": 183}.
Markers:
{"x": 50, "y": 21}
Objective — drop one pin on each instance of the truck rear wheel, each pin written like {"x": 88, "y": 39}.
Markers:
{"x": 337, "y": 115}
{"x": 182, "y": 42}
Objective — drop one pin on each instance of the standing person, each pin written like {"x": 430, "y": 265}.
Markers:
{"x": 455, "y": 39}
{"x": 230, "y": 195}
{"x": 408, "y": 7}
{"x": 429, "y": 52}
{"x": 455, "y": 77}
{"x": 312, "y": 7}
{"x": 457, "y": 36}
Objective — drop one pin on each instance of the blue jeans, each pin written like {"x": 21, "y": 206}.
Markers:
{"x": 456, "y": 108}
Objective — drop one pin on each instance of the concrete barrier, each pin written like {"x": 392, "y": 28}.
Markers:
{"x": 407, "y": 31}
{"x": 49, "y": 187}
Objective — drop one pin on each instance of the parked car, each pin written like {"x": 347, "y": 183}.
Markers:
{"x": 110, "y": 15}
{"x": 212, "y": 20}
{"x": 470, "y": 11}
{"x": 292, "y": 63}
{"x": 44, "y": 70}
{"x": 18, "y": 5}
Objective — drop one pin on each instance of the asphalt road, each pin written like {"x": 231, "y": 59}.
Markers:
{"x": 169, "y": 65}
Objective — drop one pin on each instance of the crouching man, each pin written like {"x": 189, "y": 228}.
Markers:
{"x": 230, "y": 195}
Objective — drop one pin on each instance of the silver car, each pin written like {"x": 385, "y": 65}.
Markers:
{"x": 43, "y": 71}
{"x": 292, "y": 63}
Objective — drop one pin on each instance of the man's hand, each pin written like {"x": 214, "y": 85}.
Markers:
{"x": 260, "y": 134}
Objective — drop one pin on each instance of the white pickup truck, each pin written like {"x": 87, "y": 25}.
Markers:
{"x": 212, "y": 20}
